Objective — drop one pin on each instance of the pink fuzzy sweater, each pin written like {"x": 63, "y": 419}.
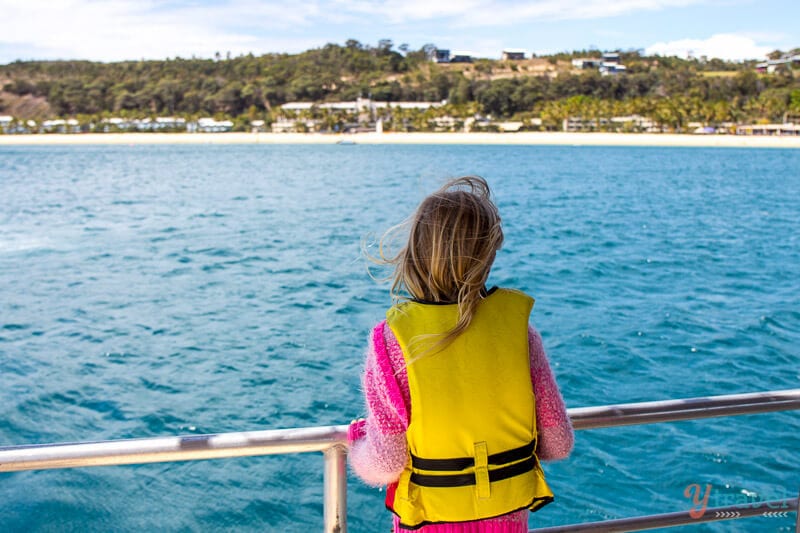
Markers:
{"x": 378, "y": 448}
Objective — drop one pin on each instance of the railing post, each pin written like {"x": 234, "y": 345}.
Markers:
{"x": 335, "y": 492}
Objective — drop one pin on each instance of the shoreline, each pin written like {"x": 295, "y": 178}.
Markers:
{"x": 524, "y": 138}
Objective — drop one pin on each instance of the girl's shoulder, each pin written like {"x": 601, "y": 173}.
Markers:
{"x": 509, "y": 291}
{"x": 507, "y": 297}
{"x": 383, "y": 342}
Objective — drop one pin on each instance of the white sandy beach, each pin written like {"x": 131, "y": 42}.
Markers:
{"x": 526, "y": 138}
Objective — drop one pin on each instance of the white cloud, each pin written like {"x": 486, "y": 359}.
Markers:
{"x": 501, "y": 12}
{"x": 110, "y": 30}
{"x": 128, "y": 29}
{"x": 400, "y": 11}
{"x": 726, "y": 46}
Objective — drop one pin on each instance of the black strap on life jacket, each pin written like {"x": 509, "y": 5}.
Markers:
{"x": 462, "y": 480}
{"x": 523, "y": 454}
{"x": 461, "y": 463}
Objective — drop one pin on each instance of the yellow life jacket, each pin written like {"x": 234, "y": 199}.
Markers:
{"x": 472, "y": 433}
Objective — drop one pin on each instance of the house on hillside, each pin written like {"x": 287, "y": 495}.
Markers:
{"x": 61, "y": 126}
{"x": 446, "y": 123}
{"x": 169, "y": 123}
{"x": 5, "y": 122}
{"x": 636, "y": 123}
{"x": 461, "y": 57}
{"x": 287, "y": 125}
{"x": 609, "y": 65}
{"x": 114, "y": 123}
{"x": 630, "y": 123}
{"x": 768, "y": 129}
{"x": 209, "y": 125}
{"x": 584, "y": 63}
{"x": 10, "y": 125}
{"x": 510, "y": 54}
{"x": 509, "y": 126}
{"x": 351, "y": 106}
{"x": 773, "y": 65}
{"x": 420, "y": 106}
{"x": 297, "y": 107}
{"x": 609, "y": 69}
{"x": 441, "y": 55}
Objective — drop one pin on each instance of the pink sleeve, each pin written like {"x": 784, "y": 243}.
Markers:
{"x": 556, "y": 437}
{"x": 378, "y": 449}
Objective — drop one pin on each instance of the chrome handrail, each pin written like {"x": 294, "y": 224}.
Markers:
{"x": 163, "y": 449}
{"x": 712, "y": 514}
{"x": 332, "y": 440}
{"x": 684, "y": 409}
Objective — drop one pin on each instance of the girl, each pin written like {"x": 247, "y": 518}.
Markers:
{"x": 460, "y": 397}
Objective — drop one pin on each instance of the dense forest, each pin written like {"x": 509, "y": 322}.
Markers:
{"x": 670, "y": 90}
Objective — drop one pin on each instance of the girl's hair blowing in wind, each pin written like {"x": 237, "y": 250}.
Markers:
{"x": 453, "y": 238}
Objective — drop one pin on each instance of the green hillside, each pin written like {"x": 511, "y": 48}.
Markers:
{"x": 672, "y": 91}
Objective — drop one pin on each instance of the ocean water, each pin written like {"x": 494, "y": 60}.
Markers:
{"x": 162, "y": 290}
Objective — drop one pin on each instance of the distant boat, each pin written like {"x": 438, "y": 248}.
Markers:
{"x": 345, "y": 142}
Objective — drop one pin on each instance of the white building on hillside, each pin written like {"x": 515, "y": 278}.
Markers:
{"x": 209, "y": 125}
{"x": 61, "y": 126}
{"x": 297, "y": 106}
{"x": 607, "y": 68}
{"x": 587, "y": 62}
{"x": 513, "y": 54}
{"x": 5, "y": 122}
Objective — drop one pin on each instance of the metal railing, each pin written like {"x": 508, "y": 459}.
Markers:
{"x": 332, "y": 441}
{"x": 773, "y": 508}
{"x": 714, "y": 514}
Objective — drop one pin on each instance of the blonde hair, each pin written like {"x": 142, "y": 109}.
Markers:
{"x": 452, "y": 240}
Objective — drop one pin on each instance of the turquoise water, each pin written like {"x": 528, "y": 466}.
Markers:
{"x": 160, "y": 290}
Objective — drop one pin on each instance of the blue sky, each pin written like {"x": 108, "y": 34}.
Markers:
{"x": 110, "y": 30}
